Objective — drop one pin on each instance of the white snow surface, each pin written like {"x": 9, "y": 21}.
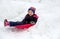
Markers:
{"x": 47, "y": 26}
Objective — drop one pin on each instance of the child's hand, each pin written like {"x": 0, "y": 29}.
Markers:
{"x": 32, "y": 22}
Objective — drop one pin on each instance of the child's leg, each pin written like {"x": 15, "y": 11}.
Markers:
{"x": 11, "y": 23}
{"x": 15, "y": 23}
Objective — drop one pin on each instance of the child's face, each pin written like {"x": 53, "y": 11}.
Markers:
{"x": 30, "y": 12}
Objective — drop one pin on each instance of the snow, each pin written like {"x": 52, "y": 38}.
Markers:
{"x": 47, "y": 27}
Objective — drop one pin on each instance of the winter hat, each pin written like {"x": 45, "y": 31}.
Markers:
{"x": 33, "y": 9}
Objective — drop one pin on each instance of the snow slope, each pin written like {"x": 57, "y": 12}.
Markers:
{"x": 47, "y": 27}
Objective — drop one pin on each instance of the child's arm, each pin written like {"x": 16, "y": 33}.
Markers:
{"x": 24, "y": 20}
{"x": 35, "y": 17}
{"x": 34, "y": 21}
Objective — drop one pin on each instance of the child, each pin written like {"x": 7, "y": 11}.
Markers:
{"x": 30, "y": 18}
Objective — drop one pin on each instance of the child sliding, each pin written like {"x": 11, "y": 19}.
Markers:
{"x": 30, "y": 18}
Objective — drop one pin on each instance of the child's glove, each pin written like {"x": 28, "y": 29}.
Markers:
{"x": 32, "y": 22}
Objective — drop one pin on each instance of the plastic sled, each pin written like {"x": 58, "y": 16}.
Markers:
{"x": 23, "y": 26}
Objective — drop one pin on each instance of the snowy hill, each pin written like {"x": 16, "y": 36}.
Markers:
{"x": 47, "y": 27}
